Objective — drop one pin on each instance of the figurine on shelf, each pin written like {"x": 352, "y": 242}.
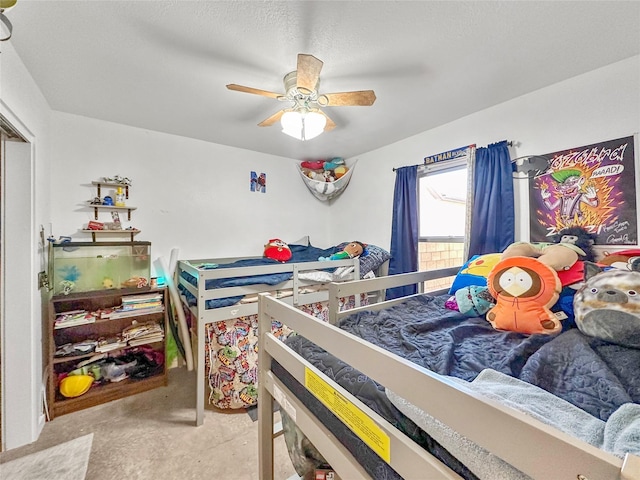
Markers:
{"x": 117, "y": 179}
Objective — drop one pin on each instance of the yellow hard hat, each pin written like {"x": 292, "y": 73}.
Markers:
{"x": 75, "y": 385}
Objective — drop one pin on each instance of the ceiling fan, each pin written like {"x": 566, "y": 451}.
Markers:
{"x": 304, "y": 119}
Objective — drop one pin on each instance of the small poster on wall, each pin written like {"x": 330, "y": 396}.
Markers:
{"x": 593, "y": 187}
{"x": 258, "y": 182}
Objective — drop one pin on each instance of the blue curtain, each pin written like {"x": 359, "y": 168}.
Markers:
{"x": 493, "y": 213}
{"x": 404, "y": 229}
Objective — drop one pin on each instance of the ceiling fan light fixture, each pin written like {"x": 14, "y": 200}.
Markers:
{"x": 303, "y": 125}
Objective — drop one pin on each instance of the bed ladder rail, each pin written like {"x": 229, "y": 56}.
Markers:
{"x": 356, "y": 287}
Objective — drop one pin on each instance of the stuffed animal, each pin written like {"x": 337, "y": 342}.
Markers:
{"x": 277, "y": 250}
{"x": 313, "y": 164}
{"x": 525, "y": 289}
{"x": 608, "y": 305}
{"x": 351, "y": 250}
{"x": 333, "y": 163}
{"x": 559, "y": 256}
{"x": 624, "y": 259}
{"x": 579, "y": 237}
{"x": 340, "y": 171}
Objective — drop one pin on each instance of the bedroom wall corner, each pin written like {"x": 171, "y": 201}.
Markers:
{"x": 599, "y": 105}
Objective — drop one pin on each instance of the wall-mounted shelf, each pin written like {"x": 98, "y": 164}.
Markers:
{"x": 112, "y": 207}
{"x": 131, "y": 232}
{"x": 99, "y": 185}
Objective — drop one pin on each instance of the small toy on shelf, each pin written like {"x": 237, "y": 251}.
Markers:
{"x": 135, "y": 282}
{"x": 117, "y": 179}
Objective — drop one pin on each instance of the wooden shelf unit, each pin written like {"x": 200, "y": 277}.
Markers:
{"x": 92, "y": 301}
{"x": 98, "y": 206}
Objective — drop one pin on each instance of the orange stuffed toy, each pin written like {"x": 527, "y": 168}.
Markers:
{"x": 525, "y": 289}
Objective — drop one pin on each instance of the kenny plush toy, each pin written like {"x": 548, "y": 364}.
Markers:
{"x": 525, "y": 289}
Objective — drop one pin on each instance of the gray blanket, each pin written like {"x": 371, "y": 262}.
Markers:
{"x": 618, "y": 435}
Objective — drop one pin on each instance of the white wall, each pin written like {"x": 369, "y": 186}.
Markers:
{"x": 25, "y": 204}
{"x": 189, "y": 194}
{"x": 600, "y": 105}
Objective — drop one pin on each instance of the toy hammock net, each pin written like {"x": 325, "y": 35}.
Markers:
{"x": 326, "y": 191}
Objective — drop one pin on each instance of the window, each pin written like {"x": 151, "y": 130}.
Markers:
{"x": 442, "y": 199}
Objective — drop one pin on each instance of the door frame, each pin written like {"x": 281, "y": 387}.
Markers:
{"x": 22, "y": 388}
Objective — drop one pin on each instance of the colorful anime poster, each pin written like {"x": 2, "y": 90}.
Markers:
{"x": 593, "y": 187}
{"x": 258, "y": 182}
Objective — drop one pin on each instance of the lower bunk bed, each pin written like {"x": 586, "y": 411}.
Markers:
{"x": 410, "y": 389}
{"x": 219, "y": 298}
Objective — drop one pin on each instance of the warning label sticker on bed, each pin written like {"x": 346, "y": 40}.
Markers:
{"x": 368, "y": 431}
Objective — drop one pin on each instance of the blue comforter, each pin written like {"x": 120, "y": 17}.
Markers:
{"x": 594, "y": 375}
{"x": 300, "y": 253}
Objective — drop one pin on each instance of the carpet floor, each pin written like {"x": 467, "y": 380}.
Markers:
{"x": 153, "y": 435}
{"x": 67, "y": 461}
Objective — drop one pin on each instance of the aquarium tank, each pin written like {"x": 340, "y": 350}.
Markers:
{"x": 88, "y": 266}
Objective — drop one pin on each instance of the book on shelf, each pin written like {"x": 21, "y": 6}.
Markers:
{"x": 144, "y": 340}
{"x": 74, "y": 318}
{"x": 141, "y": 298}
{"x": 109, "y": 344}
{"x": 140, "y": 306}
{"x": 123, "y": 313}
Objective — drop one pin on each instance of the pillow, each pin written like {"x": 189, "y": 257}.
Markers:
{"x": 607, "y": 306}
{"x": 372, "y": 258}
{"x": 304, "y": 241}
{"x": 475, "y": 271}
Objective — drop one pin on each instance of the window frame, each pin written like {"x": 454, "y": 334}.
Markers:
{"x": 433, "y": 168}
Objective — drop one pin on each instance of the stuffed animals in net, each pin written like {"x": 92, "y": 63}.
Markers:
{"x": 277, "y": 250}
{"x": 351, "y": 250}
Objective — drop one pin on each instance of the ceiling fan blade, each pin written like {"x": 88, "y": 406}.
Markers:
{"x": 308, "y": 72}
{"x": 272, "y": 119}
{"x": 330, "y": 123}
{"x": 255, "y": 91}
{"x": 363, "y": 98}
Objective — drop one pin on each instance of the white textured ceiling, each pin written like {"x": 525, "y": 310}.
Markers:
{"x": 163, "y": 65}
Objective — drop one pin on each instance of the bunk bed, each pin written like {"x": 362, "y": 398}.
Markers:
{"x": 219, "y": 296}
{"x": 329, "y": 382}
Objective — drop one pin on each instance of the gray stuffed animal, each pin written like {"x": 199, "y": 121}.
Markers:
{"x": 607, "y": 306}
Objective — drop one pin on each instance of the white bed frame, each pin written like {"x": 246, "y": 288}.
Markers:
{"x": 205, "y": 316}
{"x": 535, "y": 448}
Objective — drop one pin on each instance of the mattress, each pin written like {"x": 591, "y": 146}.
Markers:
{"x": 595, "y": 376}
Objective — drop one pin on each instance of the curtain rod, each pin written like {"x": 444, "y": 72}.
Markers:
{"x": 510, "y": 143}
